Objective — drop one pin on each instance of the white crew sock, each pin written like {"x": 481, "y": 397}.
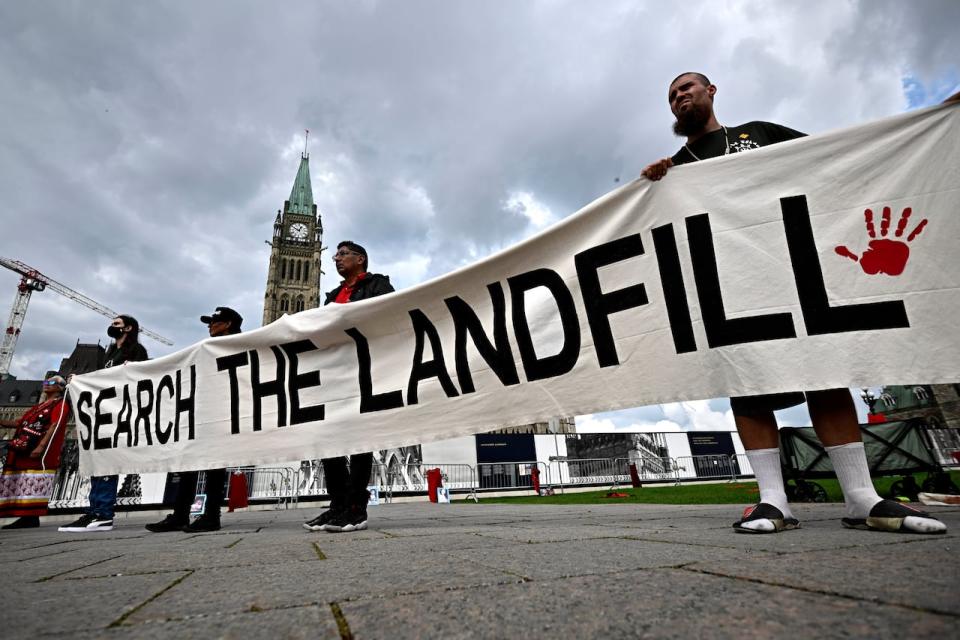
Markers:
{"x": 850, "y": 462}
{"x": 766, "y": 468}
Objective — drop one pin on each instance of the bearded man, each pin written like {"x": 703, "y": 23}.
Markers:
{"x": 691, "y": 97}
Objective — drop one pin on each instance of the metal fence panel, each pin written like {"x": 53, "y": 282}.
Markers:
{"x": 743, "y": 465}
{"x": 651, "y": 468}
{"x": 712, "y": 467}
{"x": 269, "y": 483}
{"x": 510, "y": 475}
{"x": 945, "y": 443}
{"x": 602, "y": 471}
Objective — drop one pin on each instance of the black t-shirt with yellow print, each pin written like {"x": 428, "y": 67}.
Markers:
{"x": 751, "y": 135}
{"x": 745, "y": 137}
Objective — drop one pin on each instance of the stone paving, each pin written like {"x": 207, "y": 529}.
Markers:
{"x": 485, "y": 571}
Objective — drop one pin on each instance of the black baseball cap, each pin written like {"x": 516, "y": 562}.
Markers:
{"x": 224, "y": 314}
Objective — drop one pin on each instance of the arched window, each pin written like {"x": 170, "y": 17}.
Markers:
{"x": 299, "y": 262}
{"x": 283, "y": 269}
{"x": 284, "y": 304}
{"x": 306, "y": 270}
{"x": 299, "y": 305}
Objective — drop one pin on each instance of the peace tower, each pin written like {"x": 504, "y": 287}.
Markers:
{"x": 293, "y": 277}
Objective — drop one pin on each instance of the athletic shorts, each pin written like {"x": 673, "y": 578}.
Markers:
{"x": 745, "y": 405}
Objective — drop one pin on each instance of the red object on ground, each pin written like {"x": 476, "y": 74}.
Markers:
{"x": 634, "y": 476}
{"x": 237, "y": 496}
{"x": 535, "y": 477}
{"x": 434, "y": 482}
{"x": 617, "y": 494}
{"x": 876, "y": 418}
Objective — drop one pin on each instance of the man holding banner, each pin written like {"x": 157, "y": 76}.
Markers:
{"x": 347, "y": 487}
{"x": 224, "y": 321}
{"x": 595, "y": 314}
{"x": 832, "y": 411}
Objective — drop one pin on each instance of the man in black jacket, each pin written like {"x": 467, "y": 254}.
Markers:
{"x": 834, "y": 417}
{"x": 347, "y": 487}
{"x": 224, "y": 321}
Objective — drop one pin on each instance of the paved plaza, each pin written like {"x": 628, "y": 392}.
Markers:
{"x": 485, "y": 571}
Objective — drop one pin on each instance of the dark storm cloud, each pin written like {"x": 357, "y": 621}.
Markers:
{"x": 146, "y": 147}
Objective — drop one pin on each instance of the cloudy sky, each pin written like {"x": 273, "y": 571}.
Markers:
{"x": 146, "y": 147}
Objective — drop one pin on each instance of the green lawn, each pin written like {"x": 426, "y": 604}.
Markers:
{"x": 719, "y": 493}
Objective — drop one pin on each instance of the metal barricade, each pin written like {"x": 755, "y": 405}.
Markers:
{"x": 711, "y": 467}
{"x": 310, "y": 480}
{"x": 392, "y": 478}
{"x": 951, "y": 458}
{"x": 597, "y": 471}
{"x": 741, "y": 464}
{"x": 70, "y": 490}
{"x": 510, "y": 475}
{"x": 944, "y": 442}
{"x": 409, "y": 477}
{"x": 399, "y": 477}
{"x": 650, "y": 468}
{"x": 457, "y": 478}
{"x": 268, "y": 483}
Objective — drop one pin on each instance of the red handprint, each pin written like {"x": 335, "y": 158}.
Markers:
{"x": 885, "y": 256}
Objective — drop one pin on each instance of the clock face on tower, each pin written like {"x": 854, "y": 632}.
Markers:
{"x": 297, "y": 231}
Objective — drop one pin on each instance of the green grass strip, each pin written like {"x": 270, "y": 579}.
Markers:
{"x": 745, "y": 492}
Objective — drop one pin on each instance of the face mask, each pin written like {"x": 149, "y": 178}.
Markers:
{"x": 114, "y": 332}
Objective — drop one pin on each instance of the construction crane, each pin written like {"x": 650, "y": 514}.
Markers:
{"x": 32, "y": 280}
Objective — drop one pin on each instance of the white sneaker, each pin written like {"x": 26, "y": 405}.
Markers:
{"x": 87, "y": 522}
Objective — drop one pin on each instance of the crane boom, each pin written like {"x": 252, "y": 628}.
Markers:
{"x": 32, "y": 280}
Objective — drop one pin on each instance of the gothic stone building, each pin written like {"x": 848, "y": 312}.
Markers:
{"x": 16, "y": 396}
{"x": 938, "y": 405}
{"x": 293, "y": 277}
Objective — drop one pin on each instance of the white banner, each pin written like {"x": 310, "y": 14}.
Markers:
{"x": 827, "y": 261}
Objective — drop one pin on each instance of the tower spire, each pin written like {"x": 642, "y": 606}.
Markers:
{"x": 301, "y": 195}
{"x": 306, "y": 137}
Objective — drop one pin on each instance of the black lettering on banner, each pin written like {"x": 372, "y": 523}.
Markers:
{"x": 230, "y": 364}
{"x": 144, "y": 409}
{"x": 720, "y": 330}
{"x": 185, "y": 405}
{"x": 818, "y": 316}
{"x": 102, "y": 419}
{"x": 273, "y": 387}
{"x": 163, "y": 434}
{"x": 434, "y": 368}
{"x": 499, "y": 357}
{"x": 296, "y": 382}
{"x": 674, "y": 290}
{"x": 549, "y": 366}
{"x": 370, "y": 401}
{"x": 599, "y": 305}
{"x": 123, "y": 419}
{"x": 84, "y": 402}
